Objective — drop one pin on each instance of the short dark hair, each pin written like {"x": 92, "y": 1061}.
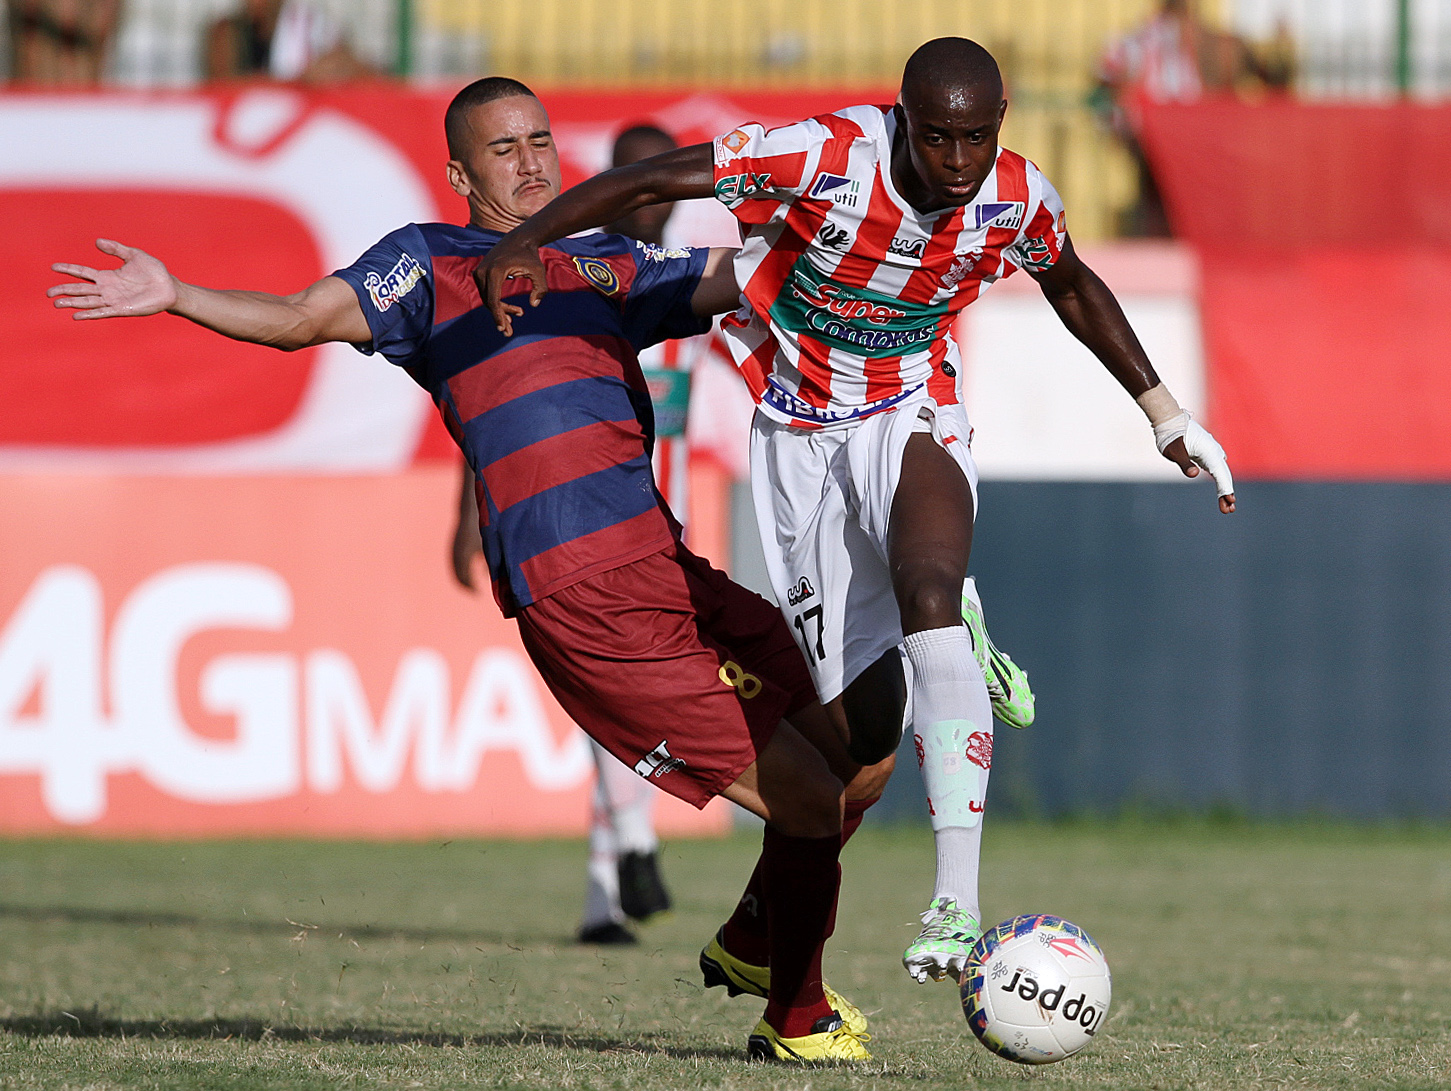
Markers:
{"x": 949, "y": 64}
{"x": 488, "y": 89}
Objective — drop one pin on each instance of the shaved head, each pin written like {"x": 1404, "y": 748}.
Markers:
{"x": 955, "y": 72}
{"x": 948, "y": 117}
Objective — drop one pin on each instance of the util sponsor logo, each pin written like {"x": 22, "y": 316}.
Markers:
{"x": 832, "y": 298}
{"x": 1076, "y": 1009}
{"x": 801, "y": 592}
{"x": 77, "y": 708}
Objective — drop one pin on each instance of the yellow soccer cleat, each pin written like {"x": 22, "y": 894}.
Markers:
{"x": 829, "y": 1041}
{"x": 719, "y": 967}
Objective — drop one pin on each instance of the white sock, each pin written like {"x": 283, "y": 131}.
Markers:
{"x": 631, "y": 802}
{"x": 602, "y": 876}
{"x": 953, "y": 731}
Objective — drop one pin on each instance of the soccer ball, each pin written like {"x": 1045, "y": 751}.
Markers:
{"x": 1036, "y": 989}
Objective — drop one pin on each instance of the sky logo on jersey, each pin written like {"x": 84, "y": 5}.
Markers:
{"x": 600, "y": 274}
{"x": 399, "y": 281}
{"x": 839, "y": 188}
{"x": 1008, "y": 214}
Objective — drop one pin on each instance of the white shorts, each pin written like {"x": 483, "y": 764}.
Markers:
{"x": 823, "y": 503}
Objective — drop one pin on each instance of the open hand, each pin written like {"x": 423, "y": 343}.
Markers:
{"x": 141, "y": 286}
{"x": 1196, "y": 449}
{"x": 509, "y": 261}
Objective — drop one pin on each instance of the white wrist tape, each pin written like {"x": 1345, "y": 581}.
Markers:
{"x": 1170, "y": 421}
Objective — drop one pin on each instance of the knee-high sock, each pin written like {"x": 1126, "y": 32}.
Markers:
{"x": 631, "y": 802}
{"x": 746, "y": 934}
{"x": 953, "y": 731}
{"x": 602, "y": 876}
{"x": 800, "y": 877}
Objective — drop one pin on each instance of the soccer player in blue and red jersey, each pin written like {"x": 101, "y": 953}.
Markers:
{"x": 687, "y": 677}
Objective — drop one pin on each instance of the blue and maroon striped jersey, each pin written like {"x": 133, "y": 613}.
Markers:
{"x": 556, "y": 420}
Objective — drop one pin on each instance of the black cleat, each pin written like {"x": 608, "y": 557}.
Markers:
{"x": 608, "y": 934}
{"x": 642, "y": 892}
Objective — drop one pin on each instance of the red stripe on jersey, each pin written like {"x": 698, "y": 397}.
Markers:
{"x": 941, "y": 386}
{"x": 814, "y": 363}
{"x": 1012, "y": 181}
{"x": 454, "y": 290}
{"x": 498, "y": 380}
{"x": 558, "y": 567}
{"x": 842, "y": 128}
{"x": 922, "y": 285}
{"x": 757, "y": 366}
{"x": 802, "y": 223}
{"x": 884, "y": 378}
{"x": 879, "y": 227}
{"x": 560, "y": 459}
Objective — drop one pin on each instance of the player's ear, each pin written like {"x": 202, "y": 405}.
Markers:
{"x": 458, "y": 178}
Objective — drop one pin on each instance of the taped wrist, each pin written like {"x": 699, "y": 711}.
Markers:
{"x": 1170, "y": 421}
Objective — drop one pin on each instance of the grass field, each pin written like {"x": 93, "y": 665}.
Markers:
{"x": 1243, "y": 956}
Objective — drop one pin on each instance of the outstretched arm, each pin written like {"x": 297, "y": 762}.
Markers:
{"x": 681, "y": 175}
{"x": 326, "y": 311}
{"x": 1089, "y": 310}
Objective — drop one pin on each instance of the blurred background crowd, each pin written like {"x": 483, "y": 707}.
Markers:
{"x": 1073, "y": 66}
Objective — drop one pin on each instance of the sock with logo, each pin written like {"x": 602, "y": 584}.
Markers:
{"x": 953, "y": 732}
{"x": 800, "y": 877}
{"x": 746, "y": 935}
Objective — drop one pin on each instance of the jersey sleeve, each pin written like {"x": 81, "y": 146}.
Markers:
{"x": 658, "y": 305}
{"x": 757, "y": 170}
{"x": 395, "y": 289}
{"x": 1045, "y": 227}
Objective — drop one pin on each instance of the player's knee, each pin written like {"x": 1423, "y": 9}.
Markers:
{"x": 871, "y": 781}
{"x": 874, "y": 704}
{"x": 929, "y": 596}
{"x": 814, "y": 808}
{"x": 875, "y": 741}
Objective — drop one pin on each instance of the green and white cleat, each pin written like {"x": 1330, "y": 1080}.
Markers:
{"x": 948, "y": 936}
{"x": 1007, "y": 683}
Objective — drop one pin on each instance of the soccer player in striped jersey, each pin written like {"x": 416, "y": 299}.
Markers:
{"x": 865, "y": 232}
{"x": 622, "y": 875}
{"x": 688, "y": 678}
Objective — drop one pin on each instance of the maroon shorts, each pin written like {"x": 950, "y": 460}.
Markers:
{"x": 673, "y": 668}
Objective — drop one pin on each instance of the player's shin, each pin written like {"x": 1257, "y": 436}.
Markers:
{"x": 746, "y": 935}
{"x": 800, "y": 878}
{"x": 953, "y": 733}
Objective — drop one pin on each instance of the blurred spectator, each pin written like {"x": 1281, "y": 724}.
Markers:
{"x": 61, "y": 42}
{"x": 1174, "y": 57}
{"x": 283, "y": 39}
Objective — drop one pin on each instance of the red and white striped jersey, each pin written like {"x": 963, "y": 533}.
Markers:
{"x": 851, "y": 293}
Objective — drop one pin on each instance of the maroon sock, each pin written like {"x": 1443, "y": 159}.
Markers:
{"x": 746, "y": 934}
{"x": 850, "y": 822}
{"x": 800, "y": 878}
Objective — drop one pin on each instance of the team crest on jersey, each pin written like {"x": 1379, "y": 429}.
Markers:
{"x": 729, "y": 146}
{"x": 908, "y": 248}
{"x": 838, "y": 187}
{"x": 962, "y": 264}
{"x": 600, "y": 274}
{"x": 399, "y": 281}
{"x": 1008, "y": 214}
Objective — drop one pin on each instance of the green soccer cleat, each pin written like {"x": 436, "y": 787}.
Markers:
{"x": 948, "y": 936}
{"x": 1007, "y": 683}
{"x": 830, "y": 1041}
{"x": 719, "y": 967}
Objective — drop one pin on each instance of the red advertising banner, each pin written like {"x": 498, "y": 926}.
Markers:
{"x": 260, "y": 187}
{"x": 203, "y": 656}
{"x": 1325, "y": 239}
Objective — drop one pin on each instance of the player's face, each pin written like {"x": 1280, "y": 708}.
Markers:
{"x": 511, "y": 169}
{"x": 952, "y": 144}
